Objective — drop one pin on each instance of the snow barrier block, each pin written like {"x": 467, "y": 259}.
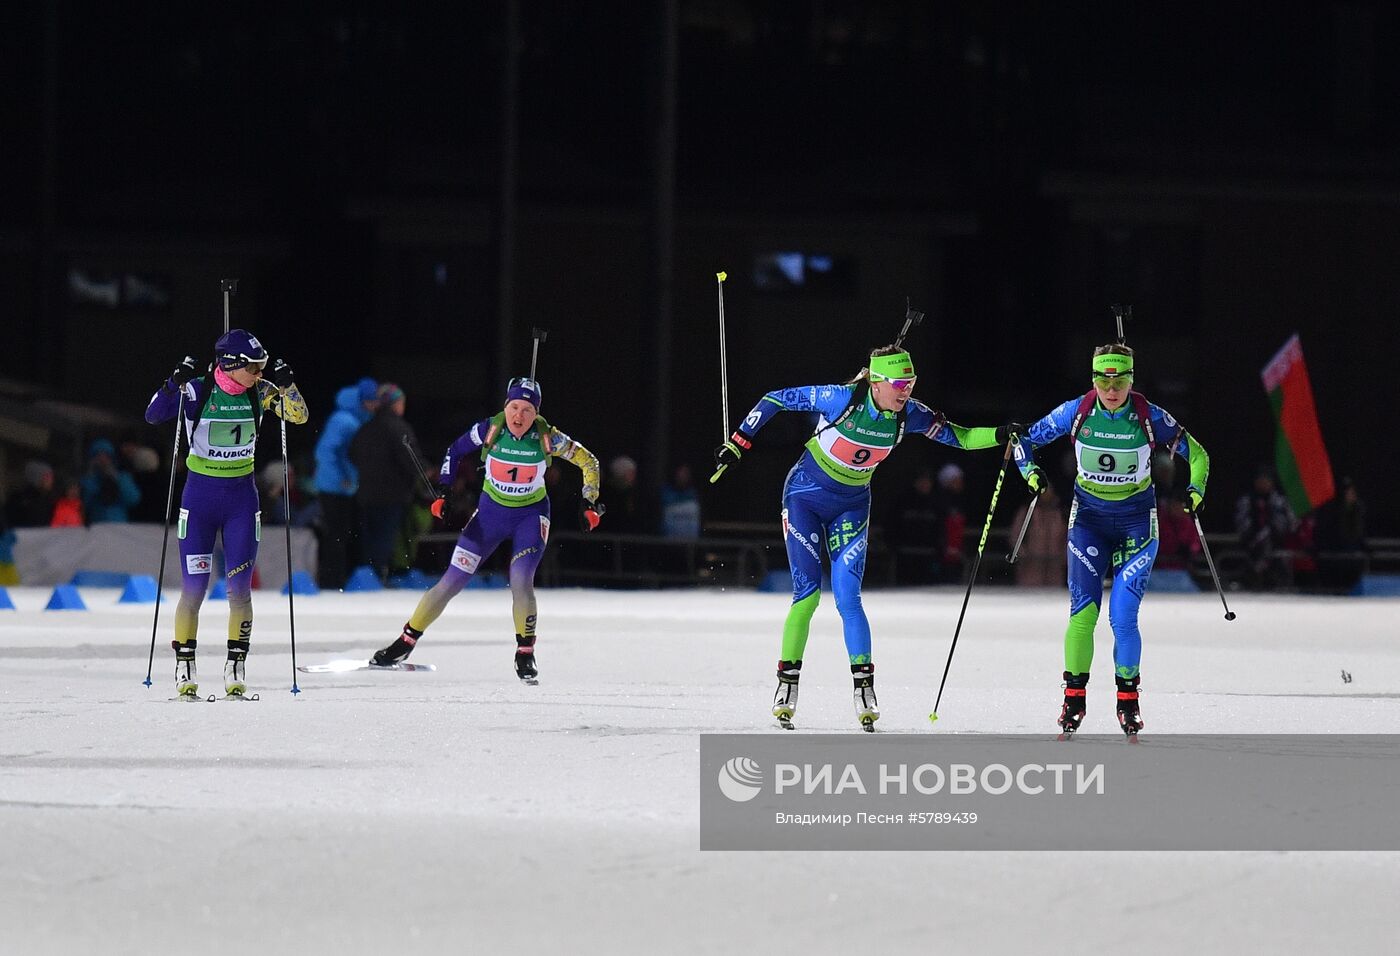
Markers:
{"x": 5, "y": 603}
{"x": 140, "y": 589}
{"x": 414, "y": 579}
{"x": 363, "y": 578}
{"x": 65, "y": 597}
{"x": 100, "y": 579}
{"x": 301, "y": 583}
{"x": 1378, "y": 585}
{"x": 219, "y": 589}
{"x": 1172, "y": 581}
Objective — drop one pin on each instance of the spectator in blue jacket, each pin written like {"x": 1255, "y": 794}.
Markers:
{"x": 337, "y": 480}
{"x": 109, "y": 493}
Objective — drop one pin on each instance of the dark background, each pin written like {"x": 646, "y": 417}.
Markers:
{"x": 403, "y": 197}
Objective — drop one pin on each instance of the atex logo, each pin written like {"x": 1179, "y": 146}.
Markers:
{"x": 740, "y": 779}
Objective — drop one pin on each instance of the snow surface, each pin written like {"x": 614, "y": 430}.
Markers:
{"x": 461, "y": 812}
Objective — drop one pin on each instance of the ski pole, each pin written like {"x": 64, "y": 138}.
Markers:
{"x": 165, "y": 534}
{"x": 1015, "y": 552}
{"x": 538, "y": 335}
{"x": 1229, "y": 614}
{"x": 422, "y": 472}
{"x": 287, "y": 523}
{"x": 1025, "y": 525}
{"x": 981, "y": 545}
{"x": 723, "y": 374}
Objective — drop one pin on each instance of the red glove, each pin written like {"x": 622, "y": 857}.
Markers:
{"x": 589, "y": 514}
{"x": 439, "y": 508}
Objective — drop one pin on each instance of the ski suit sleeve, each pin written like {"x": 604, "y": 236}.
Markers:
{"x": 562, "y": 446}
{"x": 920, "y": 419}
{"x": 1042, "y": 432}
{"x": 829, "y": 400}
{"x": 469, "y": 443}
{"x": 165, "y": 403}
{"x": 1183, "y": 444}
{"x": 288, "y": 406}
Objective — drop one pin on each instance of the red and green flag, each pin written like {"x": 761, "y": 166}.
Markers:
{"x": 1299, "y": 454}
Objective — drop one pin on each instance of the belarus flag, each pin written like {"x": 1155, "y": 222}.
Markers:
{"x": 1299, "y": 454}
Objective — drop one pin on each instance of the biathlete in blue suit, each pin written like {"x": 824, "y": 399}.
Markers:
{"x": 1113, "y": 518}
{"x": 826, "y": 501}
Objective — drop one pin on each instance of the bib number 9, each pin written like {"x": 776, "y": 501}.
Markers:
{"x": 1098, "y": 461}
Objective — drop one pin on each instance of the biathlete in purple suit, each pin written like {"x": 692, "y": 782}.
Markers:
{"x": 222, "y": 411}
{"x": 515, "y": 447}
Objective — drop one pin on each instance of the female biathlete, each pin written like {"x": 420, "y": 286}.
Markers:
{"x": 223, "y": 411}
{"x": 826, "y": 501}
{"x": 515, "y": 446}
{"x": 1112, "y": 520}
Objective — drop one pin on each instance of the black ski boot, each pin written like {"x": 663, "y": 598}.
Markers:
{"x": 1129, "y": 718}
{"x": 785, "y": 699}
{"x": 1072, "y": 713}
{"x": 525, "y": 659}
{"x": 398, "y": 651}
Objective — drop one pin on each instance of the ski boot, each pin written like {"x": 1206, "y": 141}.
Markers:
{"x": 234, "y": 683}
{"x": 525, "y": 660}
{"x": 399, "y": 650}
{"x": 1072, "y": 713}
{"x": 186, "y": 676}
{"x": 867, "y": 708}
{"x": 1129, "y": 718}
{"x": 785, "y": 699}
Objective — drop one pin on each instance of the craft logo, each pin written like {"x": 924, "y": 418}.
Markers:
{"x": 740, "y": 779}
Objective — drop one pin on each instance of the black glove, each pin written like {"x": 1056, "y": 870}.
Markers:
{"x": 590, "y": 513}
{"x": 184, "y": 373}
{"x": 1195, "y": 501}
{"x": 1004, "y": 432}
{"x": 731, "y": 451}
{"x": 281, "y": 374}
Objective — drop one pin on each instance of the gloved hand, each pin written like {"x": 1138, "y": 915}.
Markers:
{"x": 1004, "y": 432}
{"x": 590, "y": 513}
{"x": 1036, "y": 480}
{"x": 281, "y": 374}
{"x": 440, "y": 507}
{"x": 731, "y": 451}
{"x": 184, "y": 373}
{"x": 1195, "y": 501}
